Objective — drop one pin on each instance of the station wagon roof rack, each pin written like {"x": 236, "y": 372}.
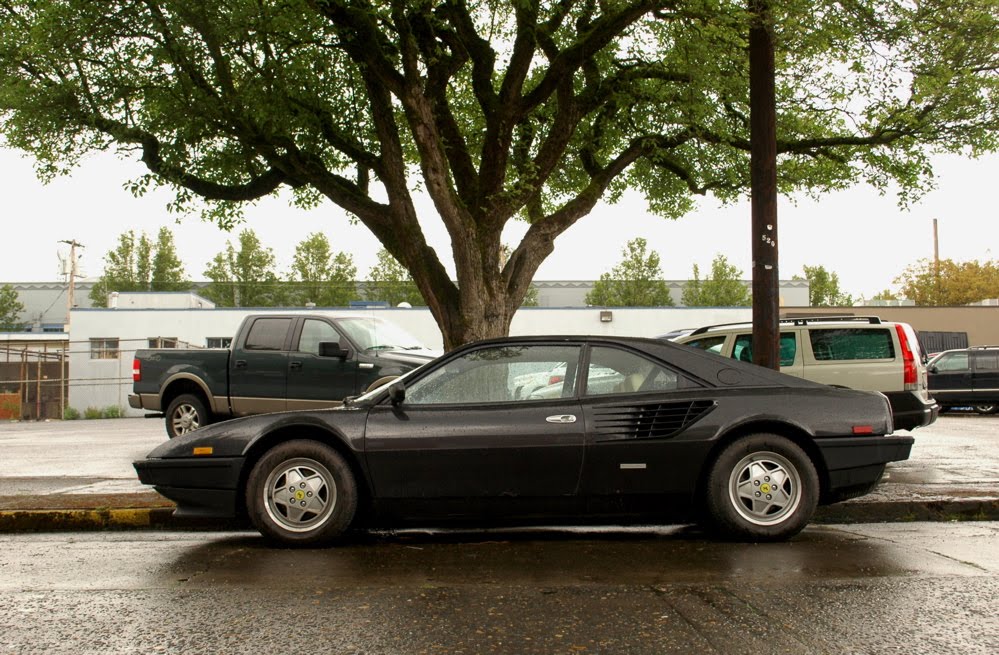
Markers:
{"x": 799, "y": 321}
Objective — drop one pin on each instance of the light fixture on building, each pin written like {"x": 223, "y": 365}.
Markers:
{"x": 606, "y": 316}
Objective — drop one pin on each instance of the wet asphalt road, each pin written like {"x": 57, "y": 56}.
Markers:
{"x": 898, "y": 588}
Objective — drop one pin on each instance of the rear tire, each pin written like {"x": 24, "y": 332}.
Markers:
{"x": 986, "y": 408}
{"x": 762, "y": 487}
{"x": 186, "y": 413}
{"x": 302, "y": 493}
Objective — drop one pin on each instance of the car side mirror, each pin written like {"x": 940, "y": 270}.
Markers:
{"x": 397, "y": 392}
{"x": 333, "y": 349}
{"x": 932, "y": 369}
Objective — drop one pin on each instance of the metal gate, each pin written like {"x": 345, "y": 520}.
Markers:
{"x": 33, "y": 382}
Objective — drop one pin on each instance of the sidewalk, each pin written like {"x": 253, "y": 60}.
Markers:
{"x": 77, "y": 475}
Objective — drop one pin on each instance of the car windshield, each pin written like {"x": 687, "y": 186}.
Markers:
{"x": 376, "y": 334}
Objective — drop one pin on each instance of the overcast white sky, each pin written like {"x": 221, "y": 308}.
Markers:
{"x": 863, "y": 237}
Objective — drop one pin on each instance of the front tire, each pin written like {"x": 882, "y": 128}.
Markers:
{"x": 986, "y": 408}
{"x": 762, "y": 487}
{"x": 301, "y": 493}
{"x": 186, "y": 413}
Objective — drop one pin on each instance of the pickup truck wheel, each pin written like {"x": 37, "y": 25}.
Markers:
{"x": 301, "y": 493}
{"x": 184, "y": 414}
{"x": 762, "y": 487}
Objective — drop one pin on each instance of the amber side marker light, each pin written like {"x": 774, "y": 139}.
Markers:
{"x": 207, "y": 450}
{"x": 857, "y": 429}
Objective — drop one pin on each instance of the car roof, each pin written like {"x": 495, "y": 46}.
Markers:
{"x": 797, "y": 321}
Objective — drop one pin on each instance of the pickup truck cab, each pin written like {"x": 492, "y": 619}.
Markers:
{"x": 276, "y": 362}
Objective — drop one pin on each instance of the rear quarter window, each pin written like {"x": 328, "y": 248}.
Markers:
{"x": 851, "y": 343}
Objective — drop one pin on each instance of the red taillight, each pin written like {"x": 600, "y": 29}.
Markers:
{"x": 136, "y": 371}
{"x": 910, "y": 377}
{"x": 863, "y": 429}
{"x": 555, "y": 379}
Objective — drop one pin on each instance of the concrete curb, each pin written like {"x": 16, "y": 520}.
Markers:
{"x": 162, "y": 518}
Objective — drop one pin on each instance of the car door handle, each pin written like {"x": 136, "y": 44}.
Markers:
{"x": 295, "y": 365}
{"x": 240, "y": 363}
{"x": 562, "y": 418}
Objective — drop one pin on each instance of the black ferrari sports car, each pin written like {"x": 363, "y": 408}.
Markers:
{"x": 555, "y": 429}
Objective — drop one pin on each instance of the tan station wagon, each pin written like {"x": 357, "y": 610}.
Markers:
{"x": 855, "y": 352}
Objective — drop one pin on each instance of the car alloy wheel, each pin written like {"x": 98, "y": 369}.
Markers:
{"x": 186, "y": 413}
{"x": 761, "y": 487}
{"x": 765, "y": 488}
{"x": 301, "y": 492}
{"x": 985, "y": 409}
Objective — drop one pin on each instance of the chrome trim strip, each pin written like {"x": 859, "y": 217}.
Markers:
{"x": 633, "y": 467}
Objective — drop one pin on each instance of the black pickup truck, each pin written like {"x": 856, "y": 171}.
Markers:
{"x": 276, "y": 362}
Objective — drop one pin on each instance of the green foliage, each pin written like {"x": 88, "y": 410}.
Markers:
{"x": 531, "y": 298}
{"x": 92, "y": 413}
{"x": 111, "y": 411}
{"x": 497, "y": 110}
{"x": 954, "y": 283}
{"x": 887, "y": 294}
{"x": 244, "y": 277}
{"x": 823, "y": 288}
{"x": 723, "y": 288}
{"x": 10, "y": 309}
{"x": 635, "y": 282}
{"x": 322, "y": 276}
{"x": 389, "y": 281}
{"x": 138, "y": 264}
{"x": 71, "y": 414}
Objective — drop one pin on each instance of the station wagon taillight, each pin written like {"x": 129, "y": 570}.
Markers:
{"x": 136, "y": 370}
{"x": 910, "y": 377}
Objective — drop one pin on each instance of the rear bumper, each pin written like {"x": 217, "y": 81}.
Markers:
{"x": 150, "y": 401}
{"x": 204, "y": 486}
{"x": 909, "y": 411}
{"x": 855, "y": 464}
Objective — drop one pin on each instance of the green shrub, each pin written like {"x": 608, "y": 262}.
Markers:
{"x": 70, "y": 414}
{"x": 111, "y": 411}
{"x": 91, "y": 412}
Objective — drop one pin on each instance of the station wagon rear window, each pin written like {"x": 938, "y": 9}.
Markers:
{"x": 851, "y": 343}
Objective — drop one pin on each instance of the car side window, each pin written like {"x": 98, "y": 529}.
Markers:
{"x": 314, "y": 332}
{"x": 508, "y": 373}
{"x": 614, "y": 371}
{"x": 851, "y": 343}
{"x": 987, "y": 361}
{"x": 743, "y": 348}
{"x": 712, "y": 344}
{"x": 267, "y": 334}
{"x": 952, "y": 362}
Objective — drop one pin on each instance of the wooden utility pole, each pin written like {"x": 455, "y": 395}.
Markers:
{"x": 763, "y": 179}
{"x": 72, "y": 274}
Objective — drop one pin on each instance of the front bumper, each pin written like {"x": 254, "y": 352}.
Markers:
{"x": 854, "y": 465}
{"x": 201, "y": 486}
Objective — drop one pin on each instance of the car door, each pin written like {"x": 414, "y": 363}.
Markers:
{"x": 950, "y": 378}
{"x": 986, "y": 376}
{"x": 636, "y": 419}
{"x": 258, "y": 366}
{"x": 315, "y": 381}
{"x": 462, "y": 434}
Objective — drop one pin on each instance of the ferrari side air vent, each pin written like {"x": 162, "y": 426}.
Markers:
{"x": 649, "y": 420}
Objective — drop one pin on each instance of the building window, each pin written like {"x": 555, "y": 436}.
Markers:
{"x": 162, "y": 342}
{"x": 218, "y": 342}
{"x": 104, "y": 349}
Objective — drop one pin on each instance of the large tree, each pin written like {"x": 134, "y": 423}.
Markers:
{"x": 722, "y": 288}
{"x": 322, "y": 276}
{"x": 949, "y": 282}
{"x": 636, "y": 281}
{"x": 823, "y": 288}
{"x": 11, "y": 309}
{"x": 496, "y": 110}
{"x": 139, "y": 264}
{"x": 389, "y": 281}
{"x": 244, "y": 277}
